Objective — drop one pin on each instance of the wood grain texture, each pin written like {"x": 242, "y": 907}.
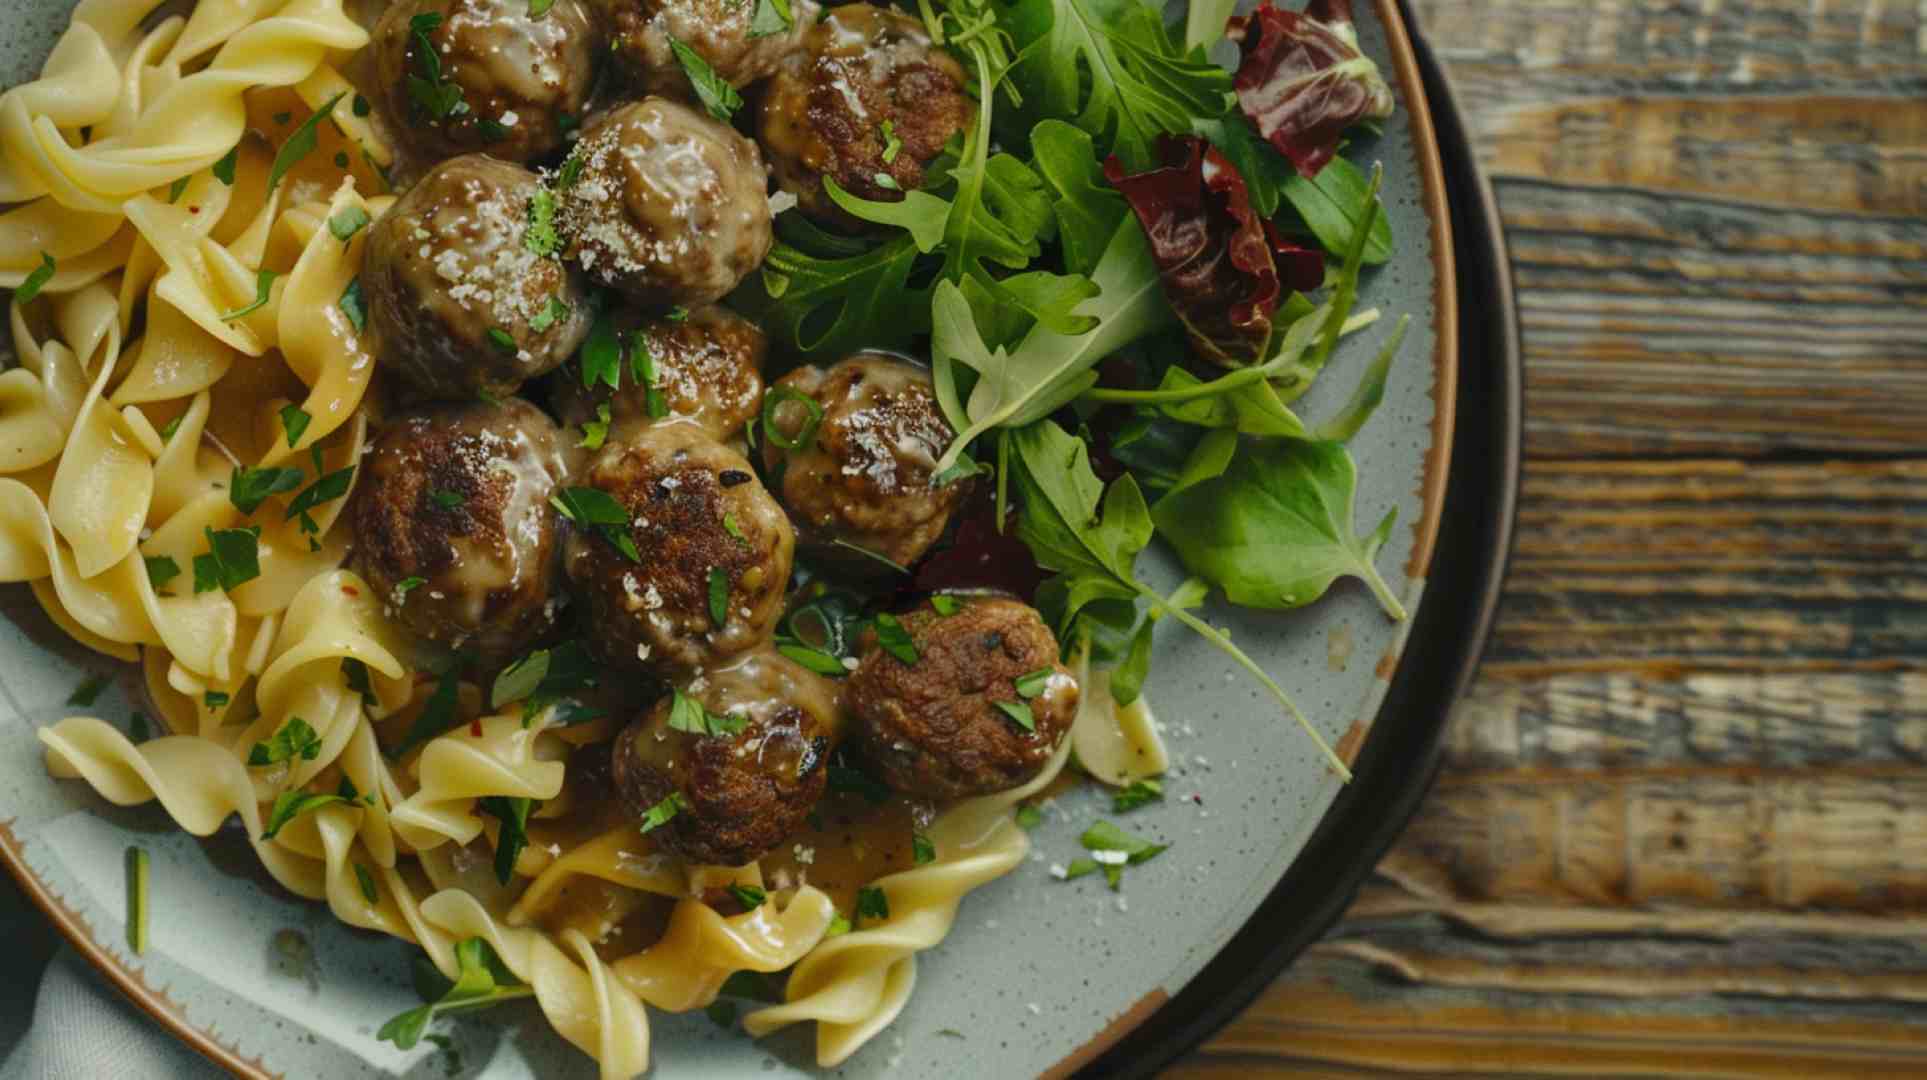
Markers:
{"x": 1682, "y": 827}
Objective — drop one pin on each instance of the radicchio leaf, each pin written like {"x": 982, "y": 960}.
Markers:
{"x": 1303, "y": 80}
{"x": 1218, "y": 261}
{"x": 982, "y": 557}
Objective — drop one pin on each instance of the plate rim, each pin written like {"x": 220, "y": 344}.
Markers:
{"x": 171, "y": 1015}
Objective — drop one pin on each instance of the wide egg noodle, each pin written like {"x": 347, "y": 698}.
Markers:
{"x": 854, "y": 984}
{"x": 506, "y": 759}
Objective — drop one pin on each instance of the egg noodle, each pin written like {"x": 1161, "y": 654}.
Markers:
{"x": 137, "y": 392}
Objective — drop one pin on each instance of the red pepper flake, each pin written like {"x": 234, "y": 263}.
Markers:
{"x": 351, "y": 590}
{"x": 193, "y": 209}
{"x": 475, "y": 727}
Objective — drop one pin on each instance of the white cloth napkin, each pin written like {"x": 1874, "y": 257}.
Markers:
{"x": 60, "y": 1020}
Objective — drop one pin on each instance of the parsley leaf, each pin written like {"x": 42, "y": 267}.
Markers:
{"x": 438, "y": 715}
{"x": 872, "y": 903}
{"x": 945, "y": 605}
{"x": 542, "y": 239}
{"x": 1139, "y": 793}
{"x": 550, "y": 314}
{"x": 482, "y": 980}
{"x": 688, "y": 715}
{"x": 595, "y": 432}
{"x": 894, "y": 639}
{"x": 718, "y": 597}
{"x": 351, "y": 220}
{"x": 294, "y": 739}
{"x": 248, "y": 488}
{"x": 233, "y": 559}
{"x": 596, "y": 509}
{"x": 161, "y": 569}
{"x": 263, "y": 292}
{"x": 328, "y": 488}
{"x": 1112, "y": 849}
{"x": 922, "y": 849}
{"x": 292, "y": 804}
{"x": 715, "y": 93}
{"x": 514, "y": 836}
{"x": 35, "y": 281}
{"x": 294, "y": 423}
{"x": 354, "y": 306}
{"x": 223, "y": 169}
{"x": 663, "y": 812}
{"x": 749, "y": 896}
{"x": 1019, "y": 714}
{"x": 302, "y": 142}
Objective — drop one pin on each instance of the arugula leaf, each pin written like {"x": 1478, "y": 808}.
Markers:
{"x": 817, "y": 293}
{"x": 482, "y": 980}
{"x": 1110, "y": 68}
{"x": 1046, "y": 370}
{"x": 1087, "y": 208}
{"x": 715, "y": 93}
{"x": 718, "y": 597}
{"x": 1095, "y": 553}
{"x": 1275, "y": 530}
{"x": 302, "y": 142}
{"x": 918, "y": 213}
{"x": 1346, "y": 422}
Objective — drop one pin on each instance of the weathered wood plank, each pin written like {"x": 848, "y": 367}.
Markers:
{"x": 1671, "y": 568}
{"x": 1658, "y": 326}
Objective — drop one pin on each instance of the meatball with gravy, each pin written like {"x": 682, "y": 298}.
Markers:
{"x": 867, "y": 102}
{"x": 666, "y": 205}
{"x": 453, "y": 527}
{"x": 707, "y": 540}
{"x": 459, "y": 302}
{"x": 865, "y": 477}
{"x": 466, "y": 75}
{"x": 705, "y": 367}
{"x": 980, "y": 710}
{"x": 721, "y": 32}
{"x": 743, "y": 752}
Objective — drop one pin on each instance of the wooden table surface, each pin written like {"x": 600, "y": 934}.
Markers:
{"x": 1682, "y": 823}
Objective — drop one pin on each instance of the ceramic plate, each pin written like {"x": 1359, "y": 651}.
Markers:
{"x": 1038, "y": 975}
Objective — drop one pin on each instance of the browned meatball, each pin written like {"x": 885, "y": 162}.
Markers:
{"x": 743, "y": 790}
{"x": 718, "y": 31}
{"x": 868, "y": 102}
{"x": 453, "y": 527}
{"x": 499, "y": 79}
{"x": 699, "y": 521}
{"x": 943, "y": 727}
{"x": 865, "y": 478}
{"x": 460, "y": 303}
{"x": 708, "y": 368}
{"x": 666, "y": 205}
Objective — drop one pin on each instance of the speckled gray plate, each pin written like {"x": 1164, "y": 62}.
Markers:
{"x": 1039, "y": 975}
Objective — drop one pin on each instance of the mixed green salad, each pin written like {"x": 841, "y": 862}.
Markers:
{"x": 1127, "y": 271}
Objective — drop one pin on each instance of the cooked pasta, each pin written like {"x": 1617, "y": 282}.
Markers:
{"x": 391, "y": 388}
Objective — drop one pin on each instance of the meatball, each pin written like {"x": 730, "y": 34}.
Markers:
{"x": 453, "y": 527}
{"x": 744, "y": 788}
{"x": 707, "y": 540}
{"x": 721, "y": 32}
{"x": 954, "y": 722}
{"x": 864, "y": 478}
{"x": 868, "y": 101}
{"x": 708, "y": 368}
{"x": 497, "y": 79}
{"x": 460, "y": 303}
{"x": 665, "y": 205}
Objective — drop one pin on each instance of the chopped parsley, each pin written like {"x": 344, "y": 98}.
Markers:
{"x": 263, "y": 292}
{"x": 513, "y": 813}
{"x": 248, "y": 488}
{"x": 161, "y": 569}
{"x": 215, "y": 700}
{"x": 1019, "y": 714}
{"x": 596, "y": 432}
{"x": 481, "y": 980}
{"x": 446, "y": 499}
{"x": 892, "y": 146}
{"x": 329, "y": 487}
{"x": 687, "y": 714}
{"x": 1112, "y": 849}
{"x": 168, "y": 429}
{"x": 749, "y": 896}
{"x": 663, "y": 812}
{"x": 366, "y": 879}
{"x": 434, "y": 96}
{"x": 839, "y": 925}
{"x": 177, "y": 189}
{"x": 293, "y": 804}
{"x": 302, "y": 142}
{"x": 438, "y": 716}
{"x": 816, "y": 660}
{"x": 233, "y": 559}
{"x": 503, "y": 341}
{"x": 1139, "y": 793}
{"x": 1034, "y": 683}
{"x": 596, "y": 509}
{"x": 922, "y": 849}
{"x": 945, "y": 605}
{"x": 734, "y": 530}
{"x": 871, "y": 903}
{"x": 542, "y": 239}
{"x": 353, "y": 306}
{"x": 885, "y": 181}
{"x": 223, "y": 169}
{"x": 349, "y": 221}
{"x": 553, "y": 312}
{"x": 295, "y": 739}
{"x": 294, "y": 423}
{"x": 772, "y": 17}
{"x": 894, "y": 639}
{"x": 1029, "y": 817}
{"x": 715, "y": 93}
{"x": 718, "y": 596}
{"x": 88, "y": 691}
{"x": 539, "y": 8}
{"x": 361, "y": 106}
{"x": 407, "y": 585}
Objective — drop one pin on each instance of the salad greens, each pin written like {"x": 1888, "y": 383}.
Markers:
{"x": 1128, "y": 269}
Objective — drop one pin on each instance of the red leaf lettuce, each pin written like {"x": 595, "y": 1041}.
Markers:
{"x": 1219, "y": 262}
{"x": 1303, "y": 80}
